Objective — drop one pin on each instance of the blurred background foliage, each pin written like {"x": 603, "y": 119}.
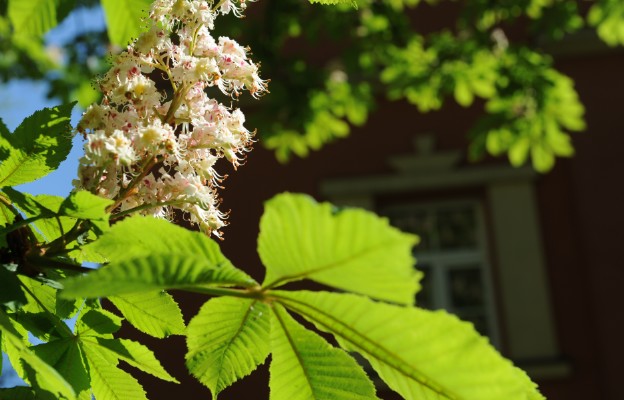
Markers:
{"x": 329, "y": 65}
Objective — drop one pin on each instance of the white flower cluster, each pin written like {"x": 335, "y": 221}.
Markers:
{"x": 146, "y": 146}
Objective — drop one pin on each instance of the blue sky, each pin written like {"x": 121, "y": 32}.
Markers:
{"x": 19, "y": 99}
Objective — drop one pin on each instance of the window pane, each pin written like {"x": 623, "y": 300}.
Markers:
{"x": 457, "y": 228}
{"x": 466, "y": 287}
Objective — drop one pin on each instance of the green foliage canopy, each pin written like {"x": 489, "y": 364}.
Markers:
{"x": 529, "y": 107}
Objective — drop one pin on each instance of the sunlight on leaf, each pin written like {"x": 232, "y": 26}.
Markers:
{"x": 154, "y": 313}
{"x": 125, "y": 19}
{"x": 350, "y": 249}
{"x": 220, "y": 357}
{"x": 304, "y": 366}
{"x": 420, "y": 354}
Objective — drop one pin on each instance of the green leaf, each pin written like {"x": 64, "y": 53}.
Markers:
{"x": 519, "y": 151}
{"x": 11, "y": 294}
{"x": 65, "y": 308}
{"x": 420, "y": 354}
{"x": 607, "y": 16}
{"x": 13, "y": 353}
{"x": 351, "y": 249}
{"x": 133, "y": 353}
{"x": 109, "y": 382}
{"x": 49, "y": 227}
{"x": 227, "y": 340}
{"x": 124, "y": 19}
{"x": 41, "y": 375}
{"x": 154, "y": 313}
{"x": 148, "y": 254}
{"x": 7, "y": 215}
{"x": 64, "y": 8}
{"x": 304, "y": 366}
{"x": 138, "y": 236}
{"x": 27, "y": 203}
{"x": 463, "y": 94}
{"x": 66, "y": 357}
{"x": 52, "y": 228}
{"x": 18, "y": 393}
{"x": 49, "y": 201}
{"x": 37, "y": 146}
{"x": 41, "y": 325}
{"x": 44, "y": 300}
{"x": 4, "y": 131}
{"x": 85, "y": 205}
{"x": 45, "y": 296}
{"x": 151, "y": 273}
{"x": 33, "y": 17}
{"x": 100, "y": 323}
{"x": 45, "y": 288}
{"x": 353, "y": 3}
{"x": 542, "y": 157}
{"x": 559, "y": 141}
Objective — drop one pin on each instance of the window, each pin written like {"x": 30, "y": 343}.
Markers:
{"x": 455, "y": 252}
{"x": 452, "y": 254}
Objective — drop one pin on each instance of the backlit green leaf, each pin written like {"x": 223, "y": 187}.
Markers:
{"x": 45, "y": 295}
{"x": 227, "y": 340}
{"x": 353, "y": 3}
{"x": 155, "y": 236}
{"x": 133, "y": 353}
{"x": 162, "y": 256}
{"x": 37, "y": 146}
{"x": 154, "y": 313}
{"x": 33, "y": 17}
{"x": 48, "y": 227}
{"x": 85, "y": 205}
{"x": 151, "y": 273}
{"x": 66, "y": 357}
{"x": 109, "y": 382}
{"x": 463, "y": 94}
{"x": 26, "y": 203}
{"x": 11, "y": 294}
{"x": 4, "y": 131}
{"x": 41, "y": 375}
{"x": 43, "y": 326}
{"x": 351, "y": 249}
{"x": 542, "y": 157}
{"x": 124, "y": 19}
{"x": 420, "y": 354}
{"x": 18, "y": 393}
{"x": 12, "y": 352}
{"x": 52, "y": 228}
{"x": 607, "y": 16}
{"x": 100, "y": 323}
{"x": 47, "y": 299}
{"x": 519, "y": 151}
{"x": 304, "y": 366}
{"x": 7, "y": 215}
